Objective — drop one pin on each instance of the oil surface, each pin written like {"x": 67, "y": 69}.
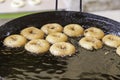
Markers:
{"x": 18, "y": 64}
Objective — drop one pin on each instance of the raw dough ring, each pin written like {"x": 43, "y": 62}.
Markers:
{"x": 32, "y": 33}
{"x": 73, "y": 30}
{"x": 51, "y": 28}
{"x": 18, "y": 3}
{"x": 90, "y": 43}
{"x": 34, "y": 2}
{"x": 15, "y": 41}
{"x": 56, "y": 37}
{"x": 62, "y": 49}
{"x": 37, "y": 46}
{"x": 94, "y": 32}
{"x": 111, "y": 40}
{"x": 1, "y": 1}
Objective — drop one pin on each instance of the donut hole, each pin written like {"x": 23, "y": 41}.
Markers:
{"x": 85, "y": 31}
{"x": 33, "y": 43}
{"x": 92, "y": 41}
{"x": 72, "y": 28}
{"x": 37, "y": 44}
{"x": 32, "y": 32}
{"x": 51, "y": 27}
{"x": 111, "y": 38}
{"x": 92, "y": 30}
{"x": 62, "y": 47}
{"x": 14, "y": 38}
{"x": 58, "y": 36}
{"x": 88, "y": 40}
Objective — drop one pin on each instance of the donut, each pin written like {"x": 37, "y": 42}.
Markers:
{"x": 118, "y": 51}
{"x": 32, "y": 33}
{"x": 111, "y": 40}
{"x": 37, "y": 46}
{"x": 56, "y": 37}
{"x": 73, "y": 30}
{"x": 51, "y": 28}
{"x": 1, "y": 1}
{"x": 90, "y": 43}
{"x": 62, "y": 49}
{"x": 18, "y": 3}
{"x": 14, "y": 41}
{"x": 34, "y": 2}
{"x": 94, "y": 32}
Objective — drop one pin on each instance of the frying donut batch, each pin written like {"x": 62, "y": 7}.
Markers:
{"x": 54, "y": 38}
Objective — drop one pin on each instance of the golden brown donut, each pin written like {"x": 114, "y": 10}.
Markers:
{"x": 118, "y": 51}
{"x": 56, "y": 37}
{"x": 37, "y": 46}
{"x": 90, "y": 43}
{"x": 62, "y": 49}
{"x": 73, "y": 30}
{"x": 14, "y": 41}
{"x": 111, "y": 40}
{"x": 32, "y": 33}
{"x": 51, "y": 28}
{"x": 94, "y": 32}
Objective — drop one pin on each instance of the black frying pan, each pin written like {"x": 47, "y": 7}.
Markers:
{"x": 84, "y": 65}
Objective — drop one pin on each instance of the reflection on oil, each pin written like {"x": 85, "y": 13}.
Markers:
{"x": 84, "y": 65}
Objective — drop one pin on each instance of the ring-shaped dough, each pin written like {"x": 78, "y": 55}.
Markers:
{"x": 94, "y": 32}
{"x": 34, "y": 2}
{"x": 32, "y": 33}
{"x": 1, "y": 1}
{"x": 56, "y": 37}
{"x": 51, "y": 28}
{"x": 73, "y": 30}
{"x": 37, "y": 46}
{"x": 111, "y": 40}
{"x": 18, "y": 3}
{"x": 62, "y": 49}
{"x": 90, "y": 43}
{"x": 14, "y": 41}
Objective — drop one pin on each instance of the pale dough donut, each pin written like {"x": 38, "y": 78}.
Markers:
{"x": 118, "y": 51}
{"x": 73, "y": 30}
{"x": 90, "y": 43}
{"x": 56, "y": 37}
{"x": 34, "y": 2}
{"x": 94, "y": 32}
{"x": 37, "y": 46}
{"x": 32, "y": 33}
{"x": 1, "y": 1}
{"x": 15, "y": 41}
{"x": 111, "y": 40}
{"x": 51, "y": 28}
{"x": 62, "y": 49}
{"x": 18, "y": 3}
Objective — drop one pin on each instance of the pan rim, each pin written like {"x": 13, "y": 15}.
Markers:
{"x": 93, "y": 16}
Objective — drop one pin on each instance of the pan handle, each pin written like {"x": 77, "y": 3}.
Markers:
{"x": 56, "y": 5}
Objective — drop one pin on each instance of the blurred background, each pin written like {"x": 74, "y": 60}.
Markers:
{"x": 96, "y": 5}
{"x": 10, "y": 9}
